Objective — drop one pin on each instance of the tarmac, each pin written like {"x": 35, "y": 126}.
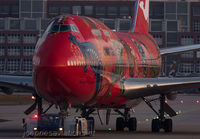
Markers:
{"x": 186, "y": 125}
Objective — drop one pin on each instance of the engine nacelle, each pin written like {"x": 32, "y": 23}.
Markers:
{"x": 172, "y": 95}
{"x": 6, "y": 90}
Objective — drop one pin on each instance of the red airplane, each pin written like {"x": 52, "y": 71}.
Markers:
{"x": 80, "y": 62}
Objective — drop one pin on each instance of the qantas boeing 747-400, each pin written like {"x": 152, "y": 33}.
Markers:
{"x": 80, "y": 62}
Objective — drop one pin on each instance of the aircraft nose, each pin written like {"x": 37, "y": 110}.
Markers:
{"x": 52, "y": 52}
{"x": 54, "y": 79}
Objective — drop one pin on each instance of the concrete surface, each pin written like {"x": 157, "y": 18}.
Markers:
{"x": 186, "y": 125}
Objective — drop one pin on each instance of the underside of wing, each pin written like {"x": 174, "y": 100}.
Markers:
{"x": 9, "y": 83}
{"x": 141, "y": 87}
{"x": 179, "y": 49}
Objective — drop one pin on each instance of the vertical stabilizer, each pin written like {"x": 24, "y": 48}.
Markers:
{"x": 140, "y": 21}
{"x": 172, "y": 70}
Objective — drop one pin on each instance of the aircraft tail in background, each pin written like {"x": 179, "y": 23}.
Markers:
{"x": 140, "y": 22}
{"x": 172, "y": 70}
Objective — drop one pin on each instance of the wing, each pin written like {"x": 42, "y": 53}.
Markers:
{"x": 179, "y": 49}
{"x": 9, "y": 83}
{"x": 141, "y": 87}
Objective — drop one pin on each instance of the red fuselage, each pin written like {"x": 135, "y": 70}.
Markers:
{"x": 80, "y": 61}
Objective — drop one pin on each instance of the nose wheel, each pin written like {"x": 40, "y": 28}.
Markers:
{"x": 37, "y": 103}
{"x": 125, "y": 121}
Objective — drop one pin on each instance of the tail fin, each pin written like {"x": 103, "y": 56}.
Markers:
{"x": 172, "y": 70}
{"x": 140, "y": 21}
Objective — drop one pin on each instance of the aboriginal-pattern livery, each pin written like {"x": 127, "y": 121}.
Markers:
{"x": 91, "y": 54}
{"x": 89, "y": 62}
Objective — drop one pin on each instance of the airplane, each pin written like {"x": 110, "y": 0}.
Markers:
{"x": 172, "y": 72}
{"x": 80, "y": 62}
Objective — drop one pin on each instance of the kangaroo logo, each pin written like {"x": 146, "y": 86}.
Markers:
{"x": 145, "y": 9}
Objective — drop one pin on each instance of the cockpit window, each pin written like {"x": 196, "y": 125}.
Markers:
{"x": 55, "y": 28}
{"x": 63, "y": 28}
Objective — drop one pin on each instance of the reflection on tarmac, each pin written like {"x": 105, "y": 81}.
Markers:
{"x": 186, "y": 125}
{"x": 3, "y": 120}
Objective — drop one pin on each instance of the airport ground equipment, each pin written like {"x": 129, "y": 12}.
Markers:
{"x": 57, "y": 125}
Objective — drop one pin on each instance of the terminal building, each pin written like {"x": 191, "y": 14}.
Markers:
{"x": 171, "y": 24}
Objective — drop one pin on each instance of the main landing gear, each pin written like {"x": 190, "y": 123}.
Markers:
{"x": 125, "y": 121}
{"x": 161, "y": 122}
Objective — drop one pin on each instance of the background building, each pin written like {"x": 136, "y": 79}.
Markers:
{"x": 171, "y": 24}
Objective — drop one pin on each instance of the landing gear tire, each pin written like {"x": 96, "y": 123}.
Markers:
{"x": 168, "y": 125}
{"x": 132, "y": 124}
{"x": 155, "y": 126}
{"x": 120, "y": 123}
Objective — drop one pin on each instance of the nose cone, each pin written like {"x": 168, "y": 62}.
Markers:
{"x": 52, "y": 52}
{"x": 53, "y": 78}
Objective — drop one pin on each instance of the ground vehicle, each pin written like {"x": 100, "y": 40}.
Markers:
{"x": 57, "y": 125}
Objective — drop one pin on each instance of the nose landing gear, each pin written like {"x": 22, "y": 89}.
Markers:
{"x": 37, "y": 103}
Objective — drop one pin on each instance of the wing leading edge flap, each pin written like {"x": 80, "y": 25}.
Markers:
{"x": 179, "y": 49}
{"x": 23, "y": 83}
{"x": 141, "y": 87}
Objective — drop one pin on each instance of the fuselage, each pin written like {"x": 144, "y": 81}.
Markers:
{"x": 79, "y": 60}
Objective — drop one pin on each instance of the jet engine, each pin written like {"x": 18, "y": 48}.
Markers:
{"x": 172, "y": 95}
{"x": 6, "y": 90}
